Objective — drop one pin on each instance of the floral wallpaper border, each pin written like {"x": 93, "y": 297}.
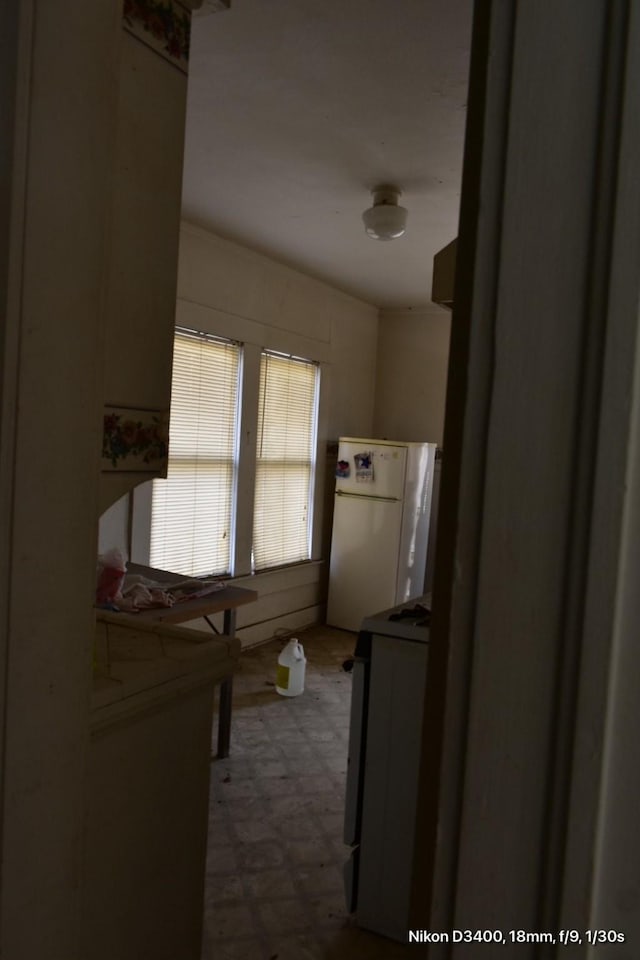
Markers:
{"x": 135, "y": 440}
{"x": 163, "y": 25}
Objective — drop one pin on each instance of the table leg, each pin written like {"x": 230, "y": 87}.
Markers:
{"x": 226, "y": 695}
{"x": 224, "y": 718}
{"x": 229, "y": 622}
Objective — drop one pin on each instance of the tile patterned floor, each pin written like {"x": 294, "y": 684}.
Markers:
{"x": 274, "y": 868}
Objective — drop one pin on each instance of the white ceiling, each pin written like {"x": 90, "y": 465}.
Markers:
{"x": 298, "y": 108}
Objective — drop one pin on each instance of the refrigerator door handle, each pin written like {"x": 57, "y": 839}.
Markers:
{"x": 366, "y": 496}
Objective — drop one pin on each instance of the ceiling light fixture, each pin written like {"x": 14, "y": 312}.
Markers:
{"x": 385, "y": 220}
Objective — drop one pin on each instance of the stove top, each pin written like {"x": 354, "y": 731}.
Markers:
{"x": 407, "y": 621}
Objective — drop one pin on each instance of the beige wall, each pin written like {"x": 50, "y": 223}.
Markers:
{"x": 114, "y": 526}
{"x": 382, "y": 375}
{"x": 413, "y": 353}
{"x": 228, "y": 290}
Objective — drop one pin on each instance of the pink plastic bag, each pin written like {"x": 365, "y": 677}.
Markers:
{"x": 112, "y": 567}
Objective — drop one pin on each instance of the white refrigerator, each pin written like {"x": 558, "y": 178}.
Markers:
{"x": 380, "y": 527}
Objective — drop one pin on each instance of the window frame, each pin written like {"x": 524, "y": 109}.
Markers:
{"x": 236, "y": 423}
{"x": 312, "y": 495}
{"x": 321, "y": 486}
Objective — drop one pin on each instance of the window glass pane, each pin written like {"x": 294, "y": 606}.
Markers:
{"x": 192, "y": 510}
{"x": 285, "y": 460}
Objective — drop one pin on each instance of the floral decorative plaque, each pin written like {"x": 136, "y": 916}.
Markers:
{"x": 135, "y": 440}
{"x": 163, "y": 25}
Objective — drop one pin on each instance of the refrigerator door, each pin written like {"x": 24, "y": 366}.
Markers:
{"x": 416, "y": 517}
{"x": 364, "y": 558}
{"x": 388, "y": 468}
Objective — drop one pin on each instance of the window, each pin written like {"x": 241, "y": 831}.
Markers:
{"x": 285, "y": 459}
{"x": 192, "y": 510}
{"x": 195, "y": 512}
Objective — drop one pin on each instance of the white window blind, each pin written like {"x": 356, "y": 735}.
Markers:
{"x": 285, "y": 460}
{"x": 193, "y": 509}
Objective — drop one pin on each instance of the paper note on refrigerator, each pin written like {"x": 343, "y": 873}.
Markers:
{"x": 364, "y": 467}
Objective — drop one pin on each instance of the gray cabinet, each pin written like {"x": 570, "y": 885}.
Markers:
{"x": 141, "y": 248}
{"x": 148, "y": 773}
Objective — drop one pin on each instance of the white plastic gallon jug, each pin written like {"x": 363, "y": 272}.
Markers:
{"x": 291, "y": 667}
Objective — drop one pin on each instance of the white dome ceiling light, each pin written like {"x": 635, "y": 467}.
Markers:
{"x": 385, "y": 220}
